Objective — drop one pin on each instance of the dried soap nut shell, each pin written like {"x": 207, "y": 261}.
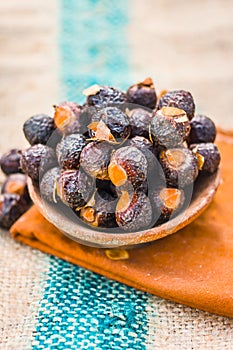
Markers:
{"x": 12, "y": 206}
{"x": 69, "y": 118}
{"x": 203, "y": 130}
{"x": 17, "y": 184}
{"x": 38, "y": 129}
{"x": 180, "y": 99}
{"x": 133, "y": 211}
{"x": 75, "y": 188}
{"x": 166, "y": 202}
{"x": 100, "y": 212}
{"x": 142, "y": 94}
{"x": 115, "y": 120}
{"x": 179, "y": 119}
{"x": 169, "y": 128}
{"x": 105, "y": 96}
{"x": 128, "y": 168}
{"x": 69, "y": 149}
{"x": 210, "y": 155}
{"x": 36, "y": 160}
{"x": 10, "y": 162}
{"x": 180, "y": 167}
{"x": 94, "y": 159}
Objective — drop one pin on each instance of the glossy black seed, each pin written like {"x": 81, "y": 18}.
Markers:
{"x": 166, "y": 203}
{"x": 38, "y": 129}
{"x": 36, "y": 160}
{"x": 180, "y": 167}
{"x": 203, "y": 130}
{"x": 210, "y": 156}
{"x": 116, "y": 121}
{"x": 142, "y": 94}
{"x": 105, "y": 96}
{"x": 128, "y": 168}
{"x": 69, "y": 149}
{"x": 169, "y": 128}
{"x": 94, "y": 159}
{"x": 10, "y": 162}
{"x": 70, "y": 118}
{"x": 180, "y": 99}
{"x": 75, "y": 188}
{"x": 139, "y": 120}
{"x": 12, "y": 206}
{"x": 48, "y": 185}
{"x": 16, "y": 183}
{"x": 101, "y": 212}
{"x": 133, "y": 211}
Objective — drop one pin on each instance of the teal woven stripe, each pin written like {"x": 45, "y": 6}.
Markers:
{"x": 82, "y": 310}
{"x": 93, "y": 45}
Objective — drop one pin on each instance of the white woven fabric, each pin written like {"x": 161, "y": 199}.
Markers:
{"x": 175, "y": 326}
{"x": 22, "y": 275}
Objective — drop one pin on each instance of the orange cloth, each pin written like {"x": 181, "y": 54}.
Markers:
{"x": 193, "y": 267}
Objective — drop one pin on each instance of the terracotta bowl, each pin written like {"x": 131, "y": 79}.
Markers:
{"x": 203, "y": 193}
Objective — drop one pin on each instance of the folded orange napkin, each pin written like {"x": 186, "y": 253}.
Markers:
{"x": 193, "y": 267}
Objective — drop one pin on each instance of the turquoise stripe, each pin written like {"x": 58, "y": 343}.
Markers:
{"x": 93, "y": 45}
{"x": 80, "y": 309}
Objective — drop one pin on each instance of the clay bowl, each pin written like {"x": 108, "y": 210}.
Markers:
{"x": 203, "y": 193}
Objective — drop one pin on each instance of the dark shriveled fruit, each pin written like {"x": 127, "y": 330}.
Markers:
{"x": 38, "y": 129}
{"x": 203, "y": 130}
{"x": 70, "y": 119}
{"x": 48, "y": 185}
{"x": 139, "y": 120}
{"x": 101, "y": 212}
{"x": 169, "y": 127}
{"x": 179, "y": 119}
{"x": 94, "y": 159}
{"x": 75, "y": 188}
{"x": 142, "y": 94}
{"x": 36, "y": 160}
{"x": 116, "y": 121}
{"x": 180, "y": 167}
{"x": 12, "y": 206}
{"x": 69, "y": 149}
{"x": 133, "y": 211}
{"x": 16, "y": 183}
{"x": 10, "y": 162}
{"x": 208, "y": 155}
{"x": 166, "y": 202}
{"x": 103, "y": 96}
{"x": 128, "y": 168}
{"x": 180, "y": 99}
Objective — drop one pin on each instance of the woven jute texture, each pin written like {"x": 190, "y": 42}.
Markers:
{"x": 90, "y": 312}
{"x": 22, "y": 272}
{"x": 46, "y": 303}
